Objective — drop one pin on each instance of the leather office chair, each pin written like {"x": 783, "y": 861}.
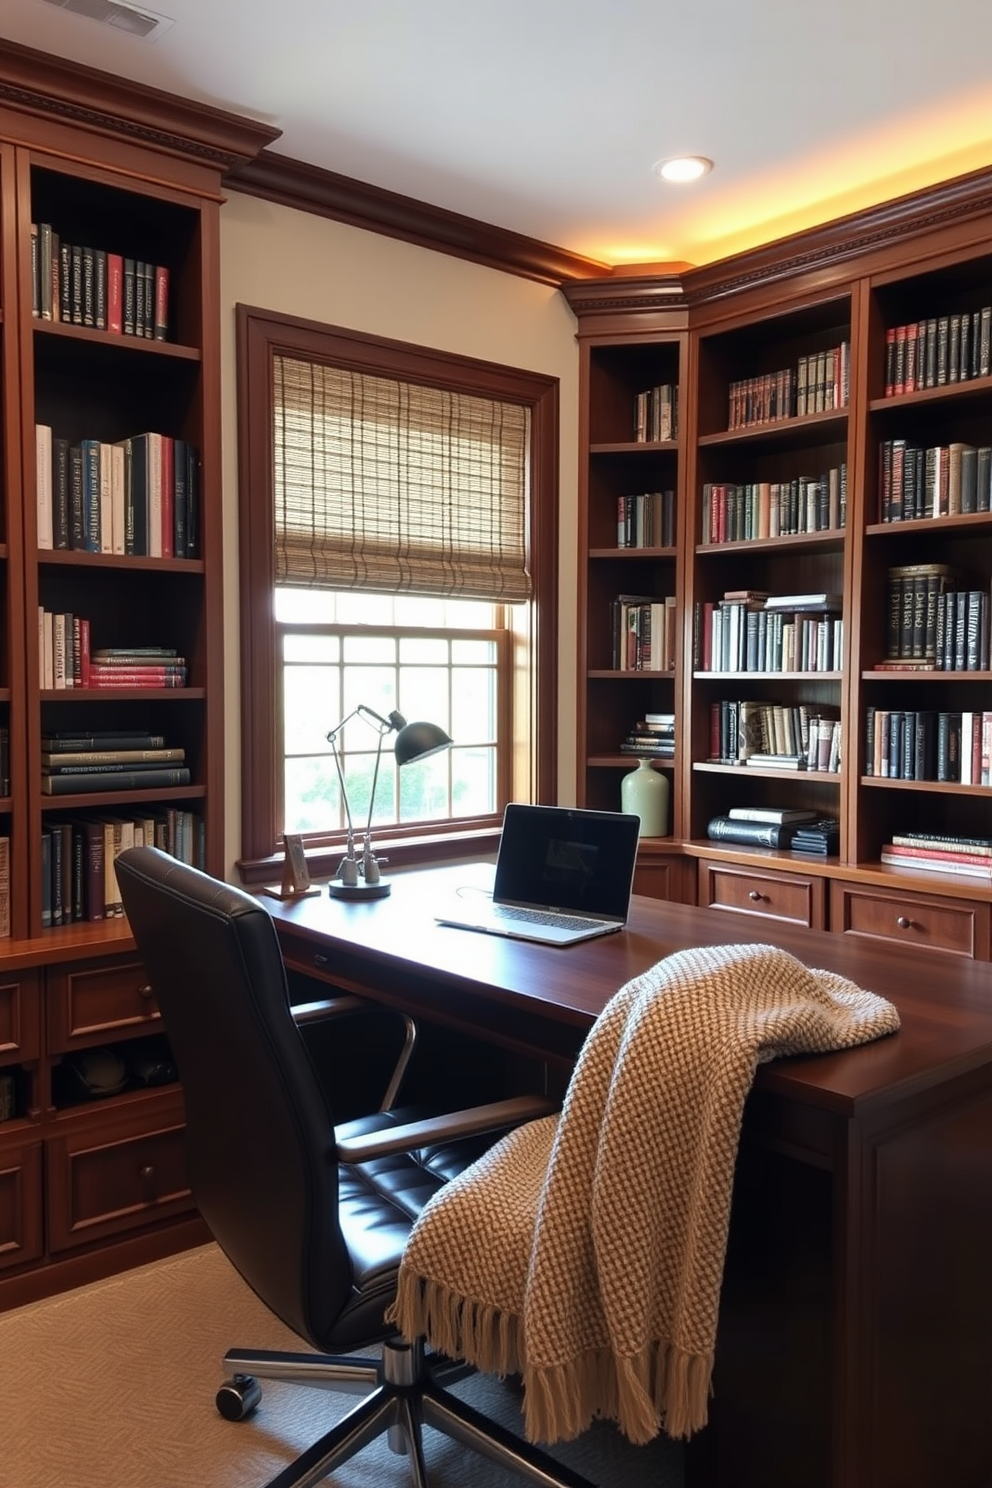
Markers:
{"x": 315, "y": 1218}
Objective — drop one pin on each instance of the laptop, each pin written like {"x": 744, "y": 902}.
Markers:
{"x": 562, "y": 875}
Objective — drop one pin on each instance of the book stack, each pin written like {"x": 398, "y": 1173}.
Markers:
{"x": 72, "y": 764}
{"x": 78, "y": 881}
{"x": 937, "y": 350}
{"x": 819, "y": 383}
{"x": 929, "y": 745}
{"x": 934, "y": 852}
{"x": 916, "y": 597}
{"x": 78, "y": 285}
{"x": 139, "y": 496}
{"x": 643, "y": 633}
{"x": 656, "y": 414}
{"x": 821, "y": 836}
{"x": 937, "y": 481}
{"x": 749, "y": 631}
{"x": 653, "y": 737}
{"x": 646, "y": 520}
{"x": 756, "y": 826}
{"x": 747, "y": 731}
{"x": 740, "y": 513}
{"x": 136, "y": 666}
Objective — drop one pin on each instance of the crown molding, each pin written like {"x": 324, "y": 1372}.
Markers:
{"x": 54, "y": 88}
{"x": 309, "y": 188}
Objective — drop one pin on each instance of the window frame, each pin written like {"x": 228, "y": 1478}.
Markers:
{"x": 261, "y": 335}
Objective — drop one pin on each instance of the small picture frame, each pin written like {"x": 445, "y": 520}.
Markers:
{"x": 295, "y": 873}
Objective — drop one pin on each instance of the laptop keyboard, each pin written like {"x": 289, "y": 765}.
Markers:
{"x": 543, "y": 917}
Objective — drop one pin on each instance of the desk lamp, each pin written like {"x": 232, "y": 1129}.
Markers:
{"x": 359, "y": 877}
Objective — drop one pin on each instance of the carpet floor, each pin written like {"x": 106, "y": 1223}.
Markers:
{"x": 112, "y": 1386}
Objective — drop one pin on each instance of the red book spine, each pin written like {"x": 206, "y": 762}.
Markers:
{"x": 115, "y": 293}
{"x": 161, "y": 317}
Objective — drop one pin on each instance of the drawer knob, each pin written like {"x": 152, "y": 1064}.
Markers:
{"x": 755, "y": 896}
{"x": 904, "y": 923}
{"x": 147, "y": 1176}
{"x": 146, "y": 992}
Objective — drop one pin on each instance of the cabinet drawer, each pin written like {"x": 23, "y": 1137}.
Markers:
{"x": 774, "y": 896}
{"x": 88, "y": 1002}
{"x": 112, "y": 1175}
{"x": 20, "y": 1024}
{"x": 20, "y": 1203}
{"x": 958, "y": 926}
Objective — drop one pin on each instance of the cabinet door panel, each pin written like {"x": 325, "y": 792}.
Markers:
{"x": 115, "y": 1174}
{"x": 20, "y": 1203}
{"x": 90, "y": 1002}
{"x": 19, "y": 1019}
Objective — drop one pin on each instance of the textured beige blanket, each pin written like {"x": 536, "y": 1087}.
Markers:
{"x": 586, "y": 1251}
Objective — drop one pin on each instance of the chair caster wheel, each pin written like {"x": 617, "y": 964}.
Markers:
{"x": 238, "y": 1397}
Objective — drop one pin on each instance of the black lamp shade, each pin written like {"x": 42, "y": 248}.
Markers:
{"x": 417, "y": 740}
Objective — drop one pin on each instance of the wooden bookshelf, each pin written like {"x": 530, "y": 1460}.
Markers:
{"x": 742, "y": 324}
{"x": 90, "y": 1184}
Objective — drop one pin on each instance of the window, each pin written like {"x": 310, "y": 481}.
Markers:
{"x": 399, "y": 549}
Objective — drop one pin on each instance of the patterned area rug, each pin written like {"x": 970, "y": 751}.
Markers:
{"x": 112, "y": 1386}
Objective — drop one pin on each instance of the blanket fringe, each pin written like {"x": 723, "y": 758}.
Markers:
{"x": 661, "y": 1387}
{"x": 486, "y": 1337}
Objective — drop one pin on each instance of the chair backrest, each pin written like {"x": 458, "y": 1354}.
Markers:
{"x": 260, "y": 1136}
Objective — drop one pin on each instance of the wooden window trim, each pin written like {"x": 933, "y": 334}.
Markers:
{"x": 261, "y": 334}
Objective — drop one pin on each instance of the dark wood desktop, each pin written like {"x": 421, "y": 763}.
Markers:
{"x": 855, "y": 1342}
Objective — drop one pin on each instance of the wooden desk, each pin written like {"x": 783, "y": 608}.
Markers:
{"x": 855, "y": 1341}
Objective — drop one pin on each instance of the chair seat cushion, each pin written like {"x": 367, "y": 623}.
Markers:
{"x": 378, "y": 1202}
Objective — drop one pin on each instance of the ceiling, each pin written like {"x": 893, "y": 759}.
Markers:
{"x": 545, "y": 116}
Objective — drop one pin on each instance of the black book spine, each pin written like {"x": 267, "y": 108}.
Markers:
{"x": 749, "y": 834}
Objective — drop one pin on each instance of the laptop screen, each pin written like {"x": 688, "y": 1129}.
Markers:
{"x": 565, "y": 858}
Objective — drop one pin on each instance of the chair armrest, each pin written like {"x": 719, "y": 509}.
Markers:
{"x": 444, "y": 1128}
{"x": 326, "y": 1007}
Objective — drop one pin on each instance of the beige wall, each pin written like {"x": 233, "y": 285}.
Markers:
{"x": 280, "y": 259}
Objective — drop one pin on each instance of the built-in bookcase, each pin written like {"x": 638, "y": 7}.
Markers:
{"x": 790, "y": 383}
{"x": 91, "y": 1184}
{"x": 629, "y": 564}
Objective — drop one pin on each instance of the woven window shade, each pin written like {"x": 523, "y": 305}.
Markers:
{"x": 394, "y": 487}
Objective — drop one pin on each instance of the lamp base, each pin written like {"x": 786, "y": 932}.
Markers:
{"x": 361, "y": 890}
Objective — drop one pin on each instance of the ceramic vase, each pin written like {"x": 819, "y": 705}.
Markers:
{"x": 645, "y": 793}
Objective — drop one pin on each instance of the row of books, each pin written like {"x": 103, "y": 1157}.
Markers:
{"x": 931, "y": 624}
{"x": 646, "y": 520}
{"x": 820, "y": 835}
{"x": 66, "y": 661}
{"x": 142, "y": 761}
{"x": 78, "y": 285}
{"x": 78, "y": 881}
{"x": 750, "y": 632}
{"x": 819, "y": 383}
{"x": 938, "y": 350}
{"x": 656, "y": 414}
{"x": 757, "y": 509}
{"x": 651, "y": 737}
{"x": 941, "y": 480}
{"x": 928, "y": 744}
{"x": 138, "y": 496}
{"x": 796, "y": 736}
{"x": 932, "y": 852}
{"x": 643, "y": 633}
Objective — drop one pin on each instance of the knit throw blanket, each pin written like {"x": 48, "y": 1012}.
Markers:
{"x": 585, "y": 1252}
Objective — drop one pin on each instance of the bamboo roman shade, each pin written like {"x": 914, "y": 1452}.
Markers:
{"x": 395, "y": 487}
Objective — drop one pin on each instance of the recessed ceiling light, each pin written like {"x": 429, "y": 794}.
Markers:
{"x": 682, "y": 168}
